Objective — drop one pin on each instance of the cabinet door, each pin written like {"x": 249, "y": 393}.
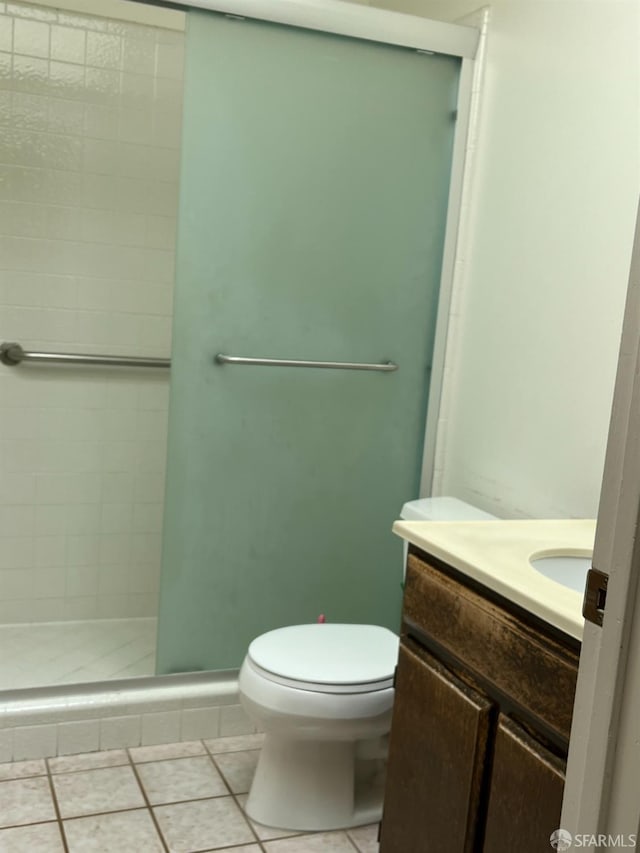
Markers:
{"x": 437, "y": 756}
{"x": 525, "y": 798}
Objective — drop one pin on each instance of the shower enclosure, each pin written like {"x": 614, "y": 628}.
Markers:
{"x": 314, "y": 179}
{"x": 90, "y": 113}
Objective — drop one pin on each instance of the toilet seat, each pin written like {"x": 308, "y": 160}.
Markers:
{"x": 327, "y": 658}
{"x": 320, "y": 687}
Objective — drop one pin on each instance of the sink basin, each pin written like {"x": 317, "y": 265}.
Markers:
{"x": 569, "y": 570}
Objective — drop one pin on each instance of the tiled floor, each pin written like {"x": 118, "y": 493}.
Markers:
{"x": 48, "y": 653}
{"x": 175, "y": 798}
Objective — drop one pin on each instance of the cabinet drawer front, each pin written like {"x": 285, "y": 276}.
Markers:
{"x": 534, "y": 672}
{"x": 525, "y": 799}
{"x": 437, "y": 758}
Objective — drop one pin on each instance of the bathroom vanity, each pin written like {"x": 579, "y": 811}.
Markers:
{"x": 484, "y": 693}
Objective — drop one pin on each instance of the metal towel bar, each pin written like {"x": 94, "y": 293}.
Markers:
{"x": 385, "y": 366}
{"x": 12, "y": 354}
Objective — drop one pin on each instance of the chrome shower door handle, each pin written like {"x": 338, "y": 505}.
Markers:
{"x": 383, "y": 367}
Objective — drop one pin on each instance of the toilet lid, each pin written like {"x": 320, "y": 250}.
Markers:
{"x": 328, "y": 653}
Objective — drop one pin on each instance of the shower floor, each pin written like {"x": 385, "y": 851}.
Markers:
{"x": 50, "y": 653}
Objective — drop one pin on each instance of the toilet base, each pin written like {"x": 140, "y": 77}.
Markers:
{"x": 315, "y": 785}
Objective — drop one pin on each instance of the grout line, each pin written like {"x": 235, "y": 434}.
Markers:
{"x": 242, "y": 811}
{"x": 87, "y": 172}
{"x": 32, "y": 823}
{"x": 293, "y": 833}
{"x": 149, "y": 807}
{"x": 164, "y": 760}
{"x": 126, "y": 763}
{"x": 227, "y": 849}
{"x": 352, "y": 842}
{"x": 231, "y": 751}
{"x": 56, "y": 807}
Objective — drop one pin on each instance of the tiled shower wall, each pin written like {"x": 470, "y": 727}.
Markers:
{"x": 90, "y": 115}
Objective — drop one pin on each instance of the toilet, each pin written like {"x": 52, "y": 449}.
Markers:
{"x": 323, "y": 695}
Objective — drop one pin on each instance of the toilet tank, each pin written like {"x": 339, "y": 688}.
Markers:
{"x": 439, "y": 509}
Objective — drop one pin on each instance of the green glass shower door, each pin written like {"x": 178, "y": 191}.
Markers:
{"x": 315, "y": 174}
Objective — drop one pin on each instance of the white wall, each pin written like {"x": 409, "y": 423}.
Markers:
{"x": 544, "y": 272}
{"x": 90, "y": 115}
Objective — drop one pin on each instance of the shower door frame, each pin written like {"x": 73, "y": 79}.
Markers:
{"x": 421, "y": 34}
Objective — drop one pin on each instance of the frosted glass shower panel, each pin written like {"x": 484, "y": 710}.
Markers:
{"x": 315, "y": 174}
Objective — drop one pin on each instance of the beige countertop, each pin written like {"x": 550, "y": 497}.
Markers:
{"x": 497, "y": 555}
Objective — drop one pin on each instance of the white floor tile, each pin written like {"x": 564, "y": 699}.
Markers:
{"x": 22, "y": 769}
{"x": 264, "y": 833}
{"x": 203, "y": 825}
{"x": 365, "y": 838}
{"x": 122, "y": 832}
{"x": 239, "y": 743}
{"x": 238, "y": 769}
{"x": 88, "y": 761}
{"x": 246, "y": 848}
{"x": 25, "y": 801}
{"x": 41, "y": 838}
{"x": 181, "y": 779}
{"x": 322, "y": 842}
{"x": 166, "y": 750}
{"x": 92, "y": 791}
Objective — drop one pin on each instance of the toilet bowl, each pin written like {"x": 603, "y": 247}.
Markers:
{"x": 323, "y": 695}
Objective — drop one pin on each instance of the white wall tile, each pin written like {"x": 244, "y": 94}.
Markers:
{"x": 6, "y": 33}
{"x": 83, "y": 550}
{"x": 89, "y": 133}
{"x": 6, "y": 745}
{"x": 67, "y": 44}
{"x": 198, "y": 723}
{"x": 17, "y": 488}
{"x": 18, "y": 552}
{"x": 48, "y": 582}
{"x": 34, "y": 742}
{"x": 16, "y": 583}
{"x": 234, "y": 721}
{"x": 101, "y": 121}
{"x": 66, "y": 80}
{"x": 117, "y": 486}
{"x": 170, "y": 60}
{"x": 80, "y": 736}
{"x": 17, "y": 520}
{"x": 163, "y": 727}
{"x": 139, "y": 56}
{"x": 31, "y": 38}
{"x": 81, "y": 581}
{"x": 117, "y": 517}
{"x": 147, "y": 518}
{"x": 78, "y": 607}
{"x": 113, "y": 580}
{"x": 103, "y": 50}
{"x": 51, "y": 551}
{"x": 119, "y": 732}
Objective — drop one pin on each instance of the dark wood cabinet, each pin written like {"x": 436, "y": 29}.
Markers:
{"x": 448, "y": 744}
{"x": 527, "y": 781}
{"x": 481, "y": 722}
